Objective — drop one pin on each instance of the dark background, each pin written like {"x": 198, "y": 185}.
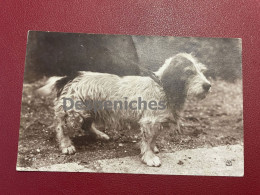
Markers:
{"x": 185, "y": 18}
{"x": 59, "y": 54}
{"x": 51, "y": 53}
{"x": 221, "y": 56}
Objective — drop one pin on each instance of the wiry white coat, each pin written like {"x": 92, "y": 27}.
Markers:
{"x": 104, "y": 87}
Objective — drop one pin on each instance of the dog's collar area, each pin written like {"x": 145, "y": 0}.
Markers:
{"x": 147, "y": 72}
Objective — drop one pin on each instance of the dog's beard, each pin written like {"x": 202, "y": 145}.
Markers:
{"x": 201, "y": 96}
{"x": 198, "y": 94}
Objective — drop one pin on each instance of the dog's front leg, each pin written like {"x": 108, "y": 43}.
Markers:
{"x": 149, "y": 133}
{"x": 153, "y": 144}
{"x": 65, "y": 143}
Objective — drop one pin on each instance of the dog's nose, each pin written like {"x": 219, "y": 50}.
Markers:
{"x": 206, "y": 86}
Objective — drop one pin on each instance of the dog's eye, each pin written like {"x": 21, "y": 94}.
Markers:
{"x": 189, "y": 72}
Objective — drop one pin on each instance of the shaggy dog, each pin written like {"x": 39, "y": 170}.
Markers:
{"x": 180, "y": 76}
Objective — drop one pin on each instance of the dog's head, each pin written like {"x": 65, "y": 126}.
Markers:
{"x": 182, "y": 75}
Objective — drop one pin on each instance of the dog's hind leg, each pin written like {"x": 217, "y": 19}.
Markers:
{"x": 65, "y": 143}
{"x": 100, "y": 135}
{"x": 89, "y": 125}
{"x": 149, "y": 133}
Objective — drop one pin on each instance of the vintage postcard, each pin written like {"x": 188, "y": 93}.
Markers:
{"x": 132, "y": 104}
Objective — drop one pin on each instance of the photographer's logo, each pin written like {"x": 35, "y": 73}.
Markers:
{"x": 139, "y": 104}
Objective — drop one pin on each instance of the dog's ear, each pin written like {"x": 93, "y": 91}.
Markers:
{"x": 174, "y": 82}
{"x": 174, "y": 78}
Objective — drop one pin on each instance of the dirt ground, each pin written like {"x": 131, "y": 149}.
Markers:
{"x": 212, "y": 122}
{"x": 215, "y": 161}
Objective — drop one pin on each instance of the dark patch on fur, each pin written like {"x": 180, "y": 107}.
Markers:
{"x": 174, "y": 82}
{"x": 59, "y": 85}
{"x": 87, "y": 124}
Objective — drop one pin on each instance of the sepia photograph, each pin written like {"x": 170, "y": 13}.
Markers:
{"x": 132, "y": 104}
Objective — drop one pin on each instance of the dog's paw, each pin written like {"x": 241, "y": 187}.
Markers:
{"x": 156, "y": 150}
{"x": 69, "y": 150}
{"x": 103, "y": 136}
{"x": 66, "y": 146}
{"x": 151, "y": 159}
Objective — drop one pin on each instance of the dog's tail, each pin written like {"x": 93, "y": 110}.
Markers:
{"x": 49, "y": 86}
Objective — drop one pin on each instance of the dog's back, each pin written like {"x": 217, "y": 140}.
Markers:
{"x": 101, "y": 87}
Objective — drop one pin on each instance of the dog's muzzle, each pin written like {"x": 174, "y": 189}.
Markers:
{"x": 206, "y": 88}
